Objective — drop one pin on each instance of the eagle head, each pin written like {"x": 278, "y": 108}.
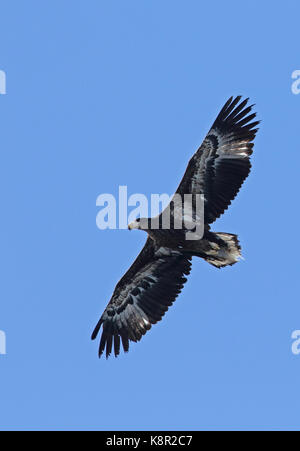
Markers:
{"x": 139, "y": 224}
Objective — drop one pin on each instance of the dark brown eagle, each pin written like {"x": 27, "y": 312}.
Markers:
{"x": 216, "y": 172}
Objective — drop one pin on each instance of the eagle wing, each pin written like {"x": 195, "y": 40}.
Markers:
{"x": 142, "y": 297}
{"x": 221, "y": 164}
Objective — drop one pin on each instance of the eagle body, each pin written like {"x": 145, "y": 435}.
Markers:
{"x": 216, "y": 171}
{"x": 218, "y": 249}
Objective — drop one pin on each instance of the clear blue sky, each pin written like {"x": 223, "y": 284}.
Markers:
{"x": 102, "y": 94}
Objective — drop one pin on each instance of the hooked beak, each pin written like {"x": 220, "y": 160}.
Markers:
{"x": 133, "y": 225}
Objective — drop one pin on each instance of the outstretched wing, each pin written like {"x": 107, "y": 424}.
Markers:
{"x": 142, "y": 297}
{"x": 222, "y": 163}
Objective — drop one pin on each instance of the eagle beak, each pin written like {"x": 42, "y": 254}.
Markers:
{"x": 133, "y": 225}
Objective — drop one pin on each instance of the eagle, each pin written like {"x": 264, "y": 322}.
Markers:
{"x": 216, "y": 172}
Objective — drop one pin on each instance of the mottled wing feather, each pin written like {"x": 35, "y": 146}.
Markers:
{"x": 142, "y": 297}
{"x": 222, "y": 163}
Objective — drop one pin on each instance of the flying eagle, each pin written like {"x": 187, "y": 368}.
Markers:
{"x": 216, "y": 171}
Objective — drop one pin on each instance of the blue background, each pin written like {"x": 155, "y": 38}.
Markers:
{"x": 102, "y": 94}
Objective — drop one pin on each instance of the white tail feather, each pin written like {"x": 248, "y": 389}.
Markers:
{"x": 225, "y": 254}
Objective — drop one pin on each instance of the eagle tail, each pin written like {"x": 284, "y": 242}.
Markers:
{"x": 225, "y": 250}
